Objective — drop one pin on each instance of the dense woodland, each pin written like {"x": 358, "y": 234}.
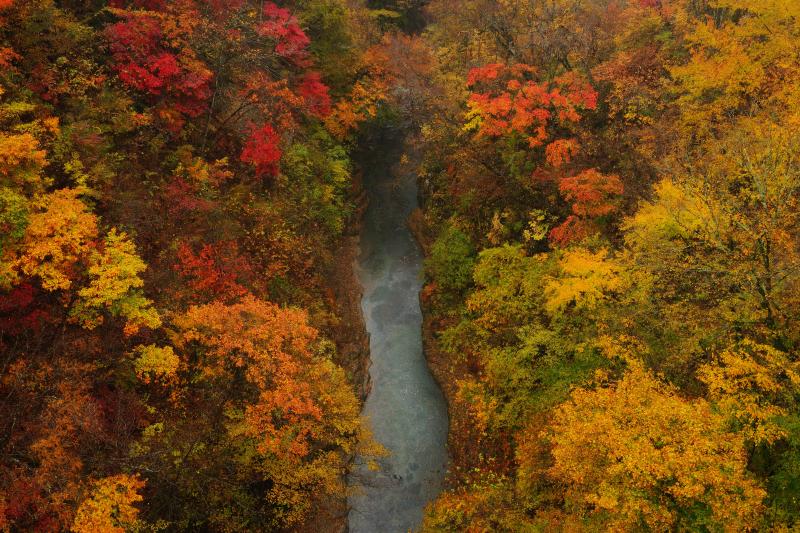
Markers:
{"x": 614, "y": 284}
{"x": 610, "y": 216}
{"x": 174, "y": 178}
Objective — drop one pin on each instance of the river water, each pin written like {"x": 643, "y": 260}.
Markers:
{"x": 405, "y": 406}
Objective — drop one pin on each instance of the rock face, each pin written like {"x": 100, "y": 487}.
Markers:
{"x": 405, "y": 406}
{"x": 350, "y": 334}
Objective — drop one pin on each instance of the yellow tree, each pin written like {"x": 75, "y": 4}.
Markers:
{"x": 586, "y": 279}
{"x": 110, "y": 506}
{"x": 721, "y": 242}
{"x": 755, "y": 385}
{"x": 742, "y": 59}
{"x": 154, "y": 363}
{"x": 634, "y": 454}
{"x": 21, "y": 161}
{"x": 115, "y": 287}
{"x": 57, "y": 237}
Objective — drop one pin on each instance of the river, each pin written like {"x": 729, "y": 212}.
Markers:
{"x": 405, "y": 407}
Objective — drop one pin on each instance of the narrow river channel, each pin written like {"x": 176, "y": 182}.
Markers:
{"x": 405, "y": 406}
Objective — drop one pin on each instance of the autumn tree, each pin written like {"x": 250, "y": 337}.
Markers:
{"x": 756, "y": 386}
{"x": 153, "y": 55}
{"x": 635, "y": 454}
{"x": 115, "y": 286}
{"x": 730, "y": 229}
{"x": 258, "y": 375}
{"x": 663, "y": 211}
{"x": 154, "y": 156}
{"x": 110, "y": 506}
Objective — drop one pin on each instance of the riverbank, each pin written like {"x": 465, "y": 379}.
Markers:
{"x": 350, "y": 335}
{"x": 461, "y": 430}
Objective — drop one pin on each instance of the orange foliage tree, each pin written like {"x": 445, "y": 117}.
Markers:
{"x": 286, "y": 398}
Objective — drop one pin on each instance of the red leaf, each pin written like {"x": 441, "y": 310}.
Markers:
{"x": 262, "y": 150}
{"x": 315, "y": 94}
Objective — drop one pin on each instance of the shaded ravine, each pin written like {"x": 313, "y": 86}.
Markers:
{"x": 405, "y": 407}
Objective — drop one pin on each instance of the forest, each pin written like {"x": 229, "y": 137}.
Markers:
{"x": 610, "y": 218}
